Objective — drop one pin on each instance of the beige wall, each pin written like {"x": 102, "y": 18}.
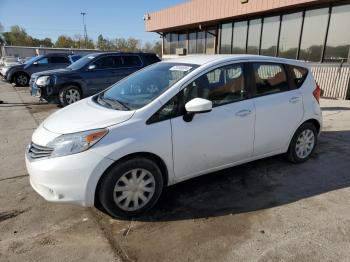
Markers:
{"x": 200, "y": 11}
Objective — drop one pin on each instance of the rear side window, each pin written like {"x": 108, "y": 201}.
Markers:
{"x": 151, "y": 59}
{"x": 269, "y": 78}
{"x": 299, "y": 75}
{"x": 59, "y": 60}
{"x": 131, "y": 61}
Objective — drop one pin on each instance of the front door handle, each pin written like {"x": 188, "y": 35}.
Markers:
{"x": 294, "y": 99}
{"x": 243, "y": 112}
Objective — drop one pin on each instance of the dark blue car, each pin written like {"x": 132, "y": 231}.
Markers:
{"x": 89, "y": 75}
{"x": 20, "y": 74}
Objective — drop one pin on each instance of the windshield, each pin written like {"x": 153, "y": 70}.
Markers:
{"x": 142, "y": 87}
{"x": 81, "y": 62}
{"x": 33, "y": 59}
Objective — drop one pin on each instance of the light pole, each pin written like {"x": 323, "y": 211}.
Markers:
{"x": 84, "y": 26}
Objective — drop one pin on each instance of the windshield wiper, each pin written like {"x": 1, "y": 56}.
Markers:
{"x": 113, "y": 103}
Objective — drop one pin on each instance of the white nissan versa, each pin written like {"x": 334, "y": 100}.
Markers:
{"x": 172, "y": 121}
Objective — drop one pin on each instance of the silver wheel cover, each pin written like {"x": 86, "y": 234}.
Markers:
{"x": 72, "y": 95}
{"x": 305, "y": 144}
{"x": 134, "y": 189}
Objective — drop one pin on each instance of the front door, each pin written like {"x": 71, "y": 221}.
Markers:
{"x": 220, "y": 137}
{"x": 279, "y": 109}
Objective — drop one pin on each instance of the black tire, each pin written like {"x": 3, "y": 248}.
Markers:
{"x": 65, "y": 95}
{"x": 292, "y": 151}
{"x": 21, "y": 79}
{"x": 110, "y": 179}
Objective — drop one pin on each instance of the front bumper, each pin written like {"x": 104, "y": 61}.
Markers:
{"x": 69, "y": 179}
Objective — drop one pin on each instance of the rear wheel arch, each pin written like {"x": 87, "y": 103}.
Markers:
{"x": 151, "y": 156}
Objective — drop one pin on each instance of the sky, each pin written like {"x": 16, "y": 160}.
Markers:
{"x": 111, "y": 18}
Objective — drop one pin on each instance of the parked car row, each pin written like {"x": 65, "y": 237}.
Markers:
{"x": 65, "y": 79}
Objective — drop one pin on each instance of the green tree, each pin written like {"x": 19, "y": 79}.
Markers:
{"x": 65, "y": 42}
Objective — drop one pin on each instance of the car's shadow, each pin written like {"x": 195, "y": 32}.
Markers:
{"x": 258, "y": 185}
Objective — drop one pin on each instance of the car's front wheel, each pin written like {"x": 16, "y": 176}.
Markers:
{"x": 131, "y": 187}
{"x": 21, "y": 79}
{"x": 69, "y": 95}
{"x": 303, "y": 143}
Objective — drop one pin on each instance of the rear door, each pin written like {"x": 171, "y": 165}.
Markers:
{"x": 279, "y": 107}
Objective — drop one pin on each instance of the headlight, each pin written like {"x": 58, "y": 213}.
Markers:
{"x": 76, "y": 142}
{"x": 43, "y": 81}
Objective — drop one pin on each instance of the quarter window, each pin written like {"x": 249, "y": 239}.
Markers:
{"x": 269, "y": 78}
{"x": 299, "y": 75}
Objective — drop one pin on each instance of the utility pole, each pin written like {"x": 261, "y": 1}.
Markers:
{"x": 85, "y": 31}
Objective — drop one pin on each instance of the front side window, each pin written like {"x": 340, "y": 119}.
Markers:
{"x": 59, "y": 60}
{"x": 269, "y": 78}
{"x": 221, "y": 86}
{"x": 144, "y": 86}
{"x": 43, "y": 61}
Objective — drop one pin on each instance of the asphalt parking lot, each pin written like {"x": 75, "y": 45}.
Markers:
{"x": 268, "y": 210}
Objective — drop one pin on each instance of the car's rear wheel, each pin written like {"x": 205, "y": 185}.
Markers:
{"x": 69, "y": 95}
{"x": 21, "y": 79}
{"x": 303, "y": 143}
{"x": 131, "y": 187}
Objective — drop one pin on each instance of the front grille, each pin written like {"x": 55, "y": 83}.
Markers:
{"x": 35, "y": 151}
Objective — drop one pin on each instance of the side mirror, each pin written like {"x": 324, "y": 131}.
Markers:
{"x": 91, "y": 67}
{"x": 35, "y": 63}
{"x": 197, "y": 106}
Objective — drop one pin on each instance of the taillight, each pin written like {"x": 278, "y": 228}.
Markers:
{"x": 317, "y": 93}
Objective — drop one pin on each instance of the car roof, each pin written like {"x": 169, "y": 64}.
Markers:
{"x": 205, "y": 59}
{"x": 121, "y": 53}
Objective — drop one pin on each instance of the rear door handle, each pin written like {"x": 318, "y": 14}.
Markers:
{"x": 243, "y": 112}
{"x": 294, "y": 99}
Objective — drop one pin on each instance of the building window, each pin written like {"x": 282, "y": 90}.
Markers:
{"x": 166, "y": 44}
{"x": 182, "y": 40}
{"x": 290, "y": 35}
{"x": 254, "y": 36}
{"x": 239, "y": 37}
{"x": 226, "y": 38}
{"x": 270, "y": 36}
{"x": 312, "y": 40}
{"x": 173, "y": 43}
{"x": 210, "y": 42}
{"x": 192, "y": 45}
{"x": 201, "y": 42}
{"x": 338, "y": 41}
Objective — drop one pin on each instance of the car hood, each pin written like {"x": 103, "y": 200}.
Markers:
{"x": 56, "y": 72}
{"x": 84, "y": 115}
{"x": 15, "y": 66}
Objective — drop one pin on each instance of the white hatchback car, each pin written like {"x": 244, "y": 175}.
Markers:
{"x": 172, "y": 121}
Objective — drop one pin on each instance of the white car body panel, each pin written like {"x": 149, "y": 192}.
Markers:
{"x": 210, "y": 142}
